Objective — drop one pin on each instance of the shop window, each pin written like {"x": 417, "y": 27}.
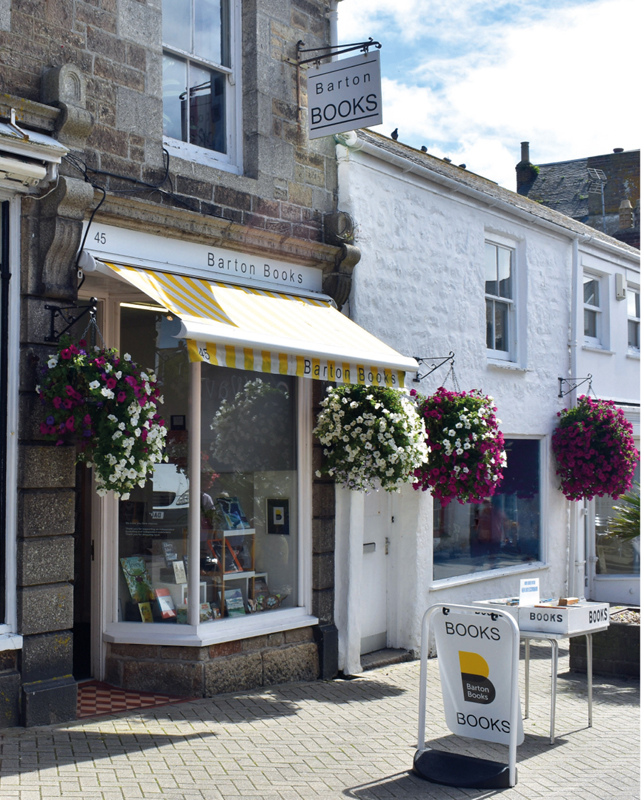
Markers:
{"x": 503, "y": 531}
{"x": 248, "y": 517}
{"x": 499, "y": 300}
{"x": 634, "y": 320}
{"x": 200, "y": 80}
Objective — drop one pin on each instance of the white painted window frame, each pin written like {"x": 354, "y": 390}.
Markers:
{"x": 516, "y": 318}
{"x": 600, "y": 341}
{"x": 634, "y": 350}
{"x": 232, "y": 161}
{"x": 9, "y": 637}
{"x": 222, "y": 630}
{"x": 532, "y": 566}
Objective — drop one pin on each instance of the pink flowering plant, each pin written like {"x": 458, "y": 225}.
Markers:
{"x": 594, "y": 449}
{"x": 466, "y": 447}
{"x": 108, "y": 406}
{"x": 372, "y": 436}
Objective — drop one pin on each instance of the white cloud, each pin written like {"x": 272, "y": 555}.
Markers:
{"x": 566, "y": 82}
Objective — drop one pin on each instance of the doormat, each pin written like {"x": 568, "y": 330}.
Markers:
{"x": 98, "y": 699}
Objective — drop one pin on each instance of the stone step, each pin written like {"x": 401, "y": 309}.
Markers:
{"x": 384, "y": 658}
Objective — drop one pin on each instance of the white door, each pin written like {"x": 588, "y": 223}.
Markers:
{"x": 373, "y": 609}
{"x": 614, "y": 565}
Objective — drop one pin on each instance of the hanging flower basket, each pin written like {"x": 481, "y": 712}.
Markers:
{"x": 594, "y": 449}
{"x": 467, "y": 452}
{"x": 109, "y": 407}
{"x": 372, "y": 437}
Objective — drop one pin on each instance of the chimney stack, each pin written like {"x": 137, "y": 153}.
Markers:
{"x": 526, "y": 173}
{"x": 625, "y": 215}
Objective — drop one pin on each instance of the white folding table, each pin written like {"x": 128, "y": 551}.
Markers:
{"x": 553, "y": 639}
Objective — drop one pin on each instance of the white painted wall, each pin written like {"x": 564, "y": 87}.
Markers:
{"x": 615, "y": 370}
{"x": 420, "y": 288}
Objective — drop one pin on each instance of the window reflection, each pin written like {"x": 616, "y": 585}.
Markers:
{"x": 502, "y": 531}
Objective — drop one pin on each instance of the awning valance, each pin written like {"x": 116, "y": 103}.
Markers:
{"x": 268, "y": 331}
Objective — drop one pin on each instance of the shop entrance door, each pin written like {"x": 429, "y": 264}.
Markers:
{"x": 374, "y": 599}
{"x": 614, "y": 564}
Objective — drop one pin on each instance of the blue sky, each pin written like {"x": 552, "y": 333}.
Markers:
{"x": 471, "y": 79}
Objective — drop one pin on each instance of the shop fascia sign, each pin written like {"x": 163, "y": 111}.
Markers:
{"x": 344, "y": 95}
{"x": 134, "y": 248}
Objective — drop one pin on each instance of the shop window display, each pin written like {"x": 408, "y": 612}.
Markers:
{"x": 248, "y": 532}
{"x": 502, "y": 531}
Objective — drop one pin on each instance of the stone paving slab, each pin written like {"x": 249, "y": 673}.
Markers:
{"x": 326, "y": 741}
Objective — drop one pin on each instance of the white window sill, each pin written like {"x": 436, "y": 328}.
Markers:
{"x": 635, "y": 354}
{"x": 10, "y": 641}
{"x": 490, "y": 574}
{"x": 510, "y": 365}
{"x": 199, "y": 155}
{"x": 222, "y": 630}
{"x": 593, "y": 349}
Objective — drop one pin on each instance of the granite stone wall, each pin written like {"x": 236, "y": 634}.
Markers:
{"x": 90, "y": 74}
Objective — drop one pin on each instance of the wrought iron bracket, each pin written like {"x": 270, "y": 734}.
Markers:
{"x": 337, "y": 50}
{"x": 573, "y": 383}
{"x": 62, "y": 312}
{"x": 450, "y": 359}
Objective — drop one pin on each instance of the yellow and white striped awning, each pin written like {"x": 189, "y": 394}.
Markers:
{"x": 268, "y": 331}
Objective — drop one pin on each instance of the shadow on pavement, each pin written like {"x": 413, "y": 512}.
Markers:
{"x": 407, "y": 785}
{"x": 615, "y": 691}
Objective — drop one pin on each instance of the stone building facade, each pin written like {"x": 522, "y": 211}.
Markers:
{"x": 87, "y": 78}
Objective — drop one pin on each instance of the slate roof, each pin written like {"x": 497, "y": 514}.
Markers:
{"x": 563, "y": 186}
{"x": 492, "y": 189}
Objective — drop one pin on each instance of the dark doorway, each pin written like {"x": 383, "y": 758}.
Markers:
{"x": 83, "y": 553}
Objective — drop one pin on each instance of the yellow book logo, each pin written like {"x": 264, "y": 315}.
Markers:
{"x": 476, "y": 685}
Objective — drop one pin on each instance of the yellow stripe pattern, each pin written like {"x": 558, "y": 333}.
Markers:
{"x": 256, "y": 314}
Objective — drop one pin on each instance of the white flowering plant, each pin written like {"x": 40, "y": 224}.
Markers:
{"x": 372, "y": 436}
{"x": 109, "y": 407}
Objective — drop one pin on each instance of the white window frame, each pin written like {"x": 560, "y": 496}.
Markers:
{"x": 597, "y": 341}
{"x": 232, "y": 161}
{"x": 9, "y": 638}
{"x": 631, "y": 348}
{"x": 533, "y": 566}
{"x": 221, "y": 630}
{"x": 512, "y": 354}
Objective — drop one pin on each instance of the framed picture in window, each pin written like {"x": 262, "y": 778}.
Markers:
{"x": 278, "y": 516}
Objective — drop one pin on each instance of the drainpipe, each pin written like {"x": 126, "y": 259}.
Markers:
{"x": 332, "y": 18}
{"x": 578, "y": 521}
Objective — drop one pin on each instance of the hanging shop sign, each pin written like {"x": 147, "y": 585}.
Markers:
{"x": 110, "y": 243}
{"x": 475, "y": 658}
{"x": 344, "y": 95}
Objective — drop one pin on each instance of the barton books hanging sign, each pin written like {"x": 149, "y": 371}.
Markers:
{"x": 344, "y": 95}
{"x": 475, "y": 659}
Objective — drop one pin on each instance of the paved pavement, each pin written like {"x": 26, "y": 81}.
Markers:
{"x": 317, "y": 741}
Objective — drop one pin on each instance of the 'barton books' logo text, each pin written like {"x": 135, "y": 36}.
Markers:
{"x": 476, "y": 685}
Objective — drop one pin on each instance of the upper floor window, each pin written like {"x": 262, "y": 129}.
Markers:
{"x": 499, "y": 298}
{"x": 633, "y": 319}
{"x": 592, "y": 313}
{"x": 199, "y": 63}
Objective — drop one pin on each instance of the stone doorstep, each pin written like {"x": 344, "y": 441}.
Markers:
{"x": 384, "y": 658}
